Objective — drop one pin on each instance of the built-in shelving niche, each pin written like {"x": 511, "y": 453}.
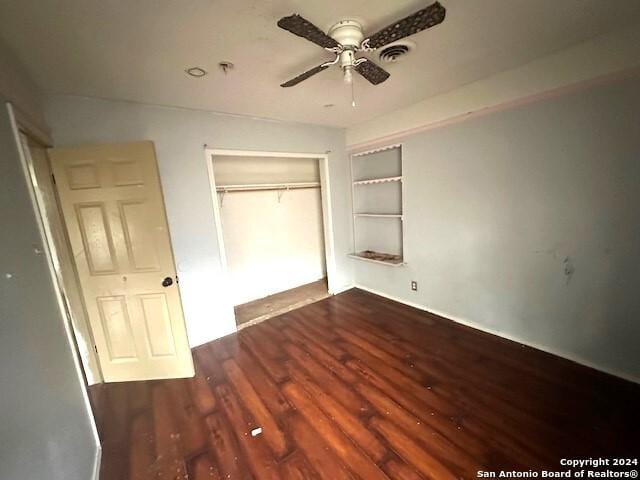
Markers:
{"x": 377, "y": 206}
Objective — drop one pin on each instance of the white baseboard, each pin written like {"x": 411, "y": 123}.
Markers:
{"x": 544, "y": 348}
{"x": 342, "y": 288}
{"x": 97, "y": 464}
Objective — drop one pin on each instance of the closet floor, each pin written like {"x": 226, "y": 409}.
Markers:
{"x": 279, "y": 303}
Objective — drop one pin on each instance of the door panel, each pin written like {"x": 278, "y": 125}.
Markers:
{"x": 112, "y": 203}
{"x": 81, "y": 176}
{"x": 96, "y": 238}
{"x": 127, "y": 174}
{"x": 158, "y": 322}
{"x": 116, "y": 325}
{"x": 140, "y": 241}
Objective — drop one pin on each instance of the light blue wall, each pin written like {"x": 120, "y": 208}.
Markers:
{"x": 497, "y": 207}
{"x": 45, "y": 424}
{"x": 179, "y": 136}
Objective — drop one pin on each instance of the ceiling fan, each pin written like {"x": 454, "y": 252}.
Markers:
{"x": 346, "y": 38}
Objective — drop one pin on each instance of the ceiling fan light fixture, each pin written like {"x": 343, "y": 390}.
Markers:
{"x": 348, "y": 74}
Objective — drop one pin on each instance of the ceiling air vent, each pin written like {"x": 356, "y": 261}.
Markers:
{"x": 392, "y": 53}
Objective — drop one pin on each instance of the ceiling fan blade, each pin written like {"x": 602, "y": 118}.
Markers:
{"x": 305, "y": 29}
{"x": 417, "y": 22}
{"x": 372, "y": 72}
{"x": 305, "y": 75}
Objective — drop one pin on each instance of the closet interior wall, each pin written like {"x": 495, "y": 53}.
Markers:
{"x": 271, "y": 215}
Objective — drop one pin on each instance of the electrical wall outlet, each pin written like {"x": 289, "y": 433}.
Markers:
{"x": 414, "y": 285}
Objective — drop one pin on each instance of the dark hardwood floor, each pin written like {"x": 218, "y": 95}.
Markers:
{"x": 358, "y": 387}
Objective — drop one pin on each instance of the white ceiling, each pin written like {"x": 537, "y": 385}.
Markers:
{"x": 138, "y": 49}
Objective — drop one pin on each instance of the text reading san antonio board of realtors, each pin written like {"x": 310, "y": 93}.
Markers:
{"x": 575, "y": 468}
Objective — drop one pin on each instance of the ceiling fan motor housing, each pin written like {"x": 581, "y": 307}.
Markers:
{"x": 347, "y": 33}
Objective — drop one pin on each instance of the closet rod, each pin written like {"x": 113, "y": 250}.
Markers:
{"x": 266, "y": 187}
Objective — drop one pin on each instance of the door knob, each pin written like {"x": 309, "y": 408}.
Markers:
{"x": 168, "y": 281}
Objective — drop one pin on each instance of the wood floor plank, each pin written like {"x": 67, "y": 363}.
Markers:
{"x": 255, "y": 450}
{"x": 139, "y": 396}
{"x": 360, "y": 387}
{"x": 266, "y": 388}
{"x": 114, "y": 462}
{"x": 296, "y": 467}
{"x": 401, "y": 380}
{"x": 476, "y": 447}
{"x": 223, "y": 350}
{"x": 420, "y": 431}
{"x": 345, "y": 449}
{"x": 170, "y": 456}
{"x": 349, "y": 399}
{"x": 202, "y": 394}
{"x": 143, "y": 456}
{"x": 261, "y": 334}
{"x": 117, "y": 415}
{"x": 406, "y": 367}
{"x": 206, "y": 363}
{"x": 320, "y": 456}
{"x": 273, "y": 435}
{"x": 272, "y": 365}
{"x": 192, "y": 431}
{"x": 400, "y": 471}
{"x": 224, "y": 447}
{"x": 115, "y": 432}
{"x": 424, "y": 462}
{"x": 203, "y": 467}
{"x": 330, "y": 347}
{"x": 348, "y": 423}
{"x": 330, "y": 358}
{"x": 319, "y": 330}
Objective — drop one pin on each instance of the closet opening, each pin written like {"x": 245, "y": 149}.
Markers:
{"x": 273, "y": 219}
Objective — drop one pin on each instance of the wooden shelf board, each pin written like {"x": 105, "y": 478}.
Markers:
{"x": 371, "y": 181}
{"x": 390, "y": 263}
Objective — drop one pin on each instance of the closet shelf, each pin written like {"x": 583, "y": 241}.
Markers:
{"x": 372, "y": 256}
{"x": 372, "y": 181}
{"x": 379, "y": 215}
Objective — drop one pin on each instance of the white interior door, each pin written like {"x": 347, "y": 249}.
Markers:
{"x": 114, "y": 213}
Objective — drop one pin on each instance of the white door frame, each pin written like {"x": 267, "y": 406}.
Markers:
{"x": 78, "y": 320}
{"x": 325, "y": 193}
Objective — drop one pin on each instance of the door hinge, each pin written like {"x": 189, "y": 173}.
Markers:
{"x": 95, "y": 347}
{"x": 53, "y": 178}
{"x": 177, "y": 280}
